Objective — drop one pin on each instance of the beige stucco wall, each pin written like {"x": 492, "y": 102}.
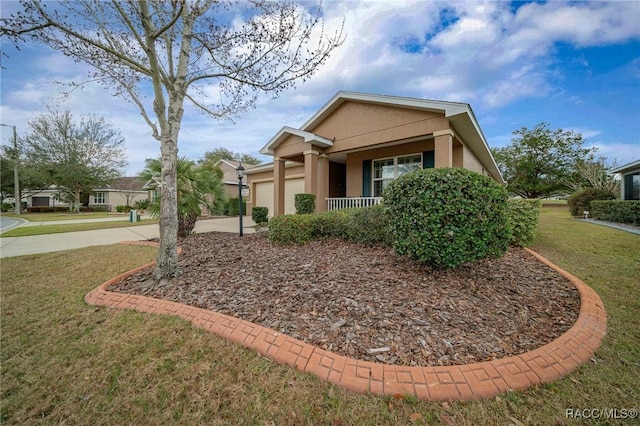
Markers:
{"x": 355, "y": 125}
{"x": 355, "y": 159}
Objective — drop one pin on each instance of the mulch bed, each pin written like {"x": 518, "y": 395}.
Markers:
{"x": 369, "y": 304}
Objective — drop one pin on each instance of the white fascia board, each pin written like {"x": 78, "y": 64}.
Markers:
{"x": 449, "y": 108}
{"x": 627, "y": 167}
{"x": 287, "y": 131}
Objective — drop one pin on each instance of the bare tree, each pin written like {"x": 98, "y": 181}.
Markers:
{"x": 185, "y": 50}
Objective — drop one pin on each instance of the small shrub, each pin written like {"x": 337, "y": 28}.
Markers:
{"x": 580, "y": 201}
{"x": 522, "y": 216}
{"x": 259, "y": 215}
{"x": 120, "y": 209}
{"x": 447, "y": 216}
{"x": 100, "y": 208}
{"x": 368, "y": 225}
{"x": 626, "y": 211}
{"x": 5, "y": 207}
{"x": 305, "y": 203}
{"x": 291, "y": 229}
{"x": 142, "y": 204}
{"x": 232, "y": 209}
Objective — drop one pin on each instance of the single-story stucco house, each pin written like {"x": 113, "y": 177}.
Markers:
{"x": 121, "y": 191}
{"x": 230, "y": 177}
{"x": 629, "y": 180}
{"x": 357, "y": 143}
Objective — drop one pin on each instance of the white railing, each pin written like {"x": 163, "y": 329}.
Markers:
{"x": 352, "y": 202}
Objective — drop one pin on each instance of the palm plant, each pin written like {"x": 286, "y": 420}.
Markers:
{"x": 197, "y": 187}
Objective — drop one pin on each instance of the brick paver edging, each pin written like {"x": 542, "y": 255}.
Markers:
{"x": 450, "y": 383}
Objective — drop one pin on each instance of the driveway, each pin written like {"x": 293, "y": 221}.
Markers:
{"x": 18, "y": 246}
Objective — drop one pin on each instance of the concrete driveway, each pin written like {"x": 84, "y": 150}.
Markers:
{"x": 18, "y": 246}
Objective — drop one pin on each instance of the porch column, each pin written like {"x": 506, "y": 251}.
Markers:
{"x": 278, "y": 186}
{"x": 323, "y": 183}
{"x": 443, "y": 147}
{"x": 311, "y": 172}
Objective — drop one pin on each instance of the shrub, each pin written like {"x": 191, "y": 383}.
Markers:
{"x": 232, "y": 210}
{"x": 120, "y": 209}
{"x": 522, "y": 216}
{"x": 446, "y": 217}
{"x": 5, "y": 207}
{"x": 627, "y": 211}
{"x": 368, "y": 225}
{"x": 259, "y": 215}
{"x": 47, "y": 209}
{"x": 100, "y": 208}
{"x": 305, "y": 203}
{"x": 580, "y": 201}
{"x": 292, "y": 229}
{"x": 142, "y": 204}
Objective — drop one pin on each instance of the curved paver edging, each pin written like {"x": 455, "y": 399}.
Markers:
{"x": 449, "y": 383}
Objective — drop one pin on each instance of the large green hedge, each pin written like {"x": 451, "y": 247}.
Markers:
{"x": 447, "y": 216}
{"x": 522, "y": 216}
{"x": 259, "y": 214}
{"x": 627, "y": 211}
{"x": 366, "y": 225}
{"x": 580, "y": 201}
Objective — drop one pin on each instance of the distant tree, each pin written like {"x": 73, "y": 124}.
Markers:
{"x": 595, "y": 174}
{"x": 182, "y": 51}
{"x": 540, "y": 161}
{"x": 197, "y": 187}
{"x": 32, "y": 179}
{"x": 74, "y": 155}
{"x": 215, "y": 155}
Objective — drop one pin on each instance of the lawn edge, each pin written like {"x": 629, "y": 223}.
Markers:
{"x": 487, "y": 379}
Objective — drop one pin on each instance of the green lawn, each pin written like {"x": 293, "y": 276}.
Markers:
{"x": 48, "y": 217}
{"x": 65, "y": 362}
{"x": 24, "y": 231}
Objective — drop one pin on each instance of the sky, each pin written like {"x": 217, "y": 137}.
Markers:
{"x": 573, "y": 65}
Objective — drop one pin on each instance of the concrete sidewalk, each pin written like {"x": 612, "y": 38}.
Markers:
{"x": 18, "y": 246}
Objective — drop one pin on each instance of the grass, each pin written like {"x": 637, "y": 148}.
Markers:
{"x": 66, "y": 362}
{"x": 48, "y": 217}
{"x": 25, "y": 231}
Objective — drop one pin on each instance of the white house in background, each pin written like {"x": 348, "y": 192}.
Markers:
{"x": 630, "y": 180}
{"x": 122, "y": 191}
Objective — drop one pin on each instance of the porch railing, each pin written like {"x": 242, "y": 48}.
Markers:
{"x": 352, "y": 202}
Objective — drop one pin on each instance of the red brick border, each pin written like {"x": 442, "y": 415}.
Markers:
{"x": 452, "y": 383}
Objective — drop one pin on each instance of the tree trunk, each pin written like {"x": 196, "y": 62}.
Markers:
{"x": 167, "y": 259}
{"x": 76, "y": 201}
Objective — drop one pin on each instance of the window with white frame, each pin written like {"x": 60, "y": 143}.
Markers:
{"x": 386, "y": 170}
{"x": 100, "y": 198}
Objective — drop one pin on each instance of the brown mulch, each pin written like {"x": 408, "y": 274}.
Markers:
{"x": 369, "y": 304}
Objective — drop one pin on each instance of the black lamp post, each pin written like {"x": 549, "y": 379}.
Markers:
{"x": 240, "y": 174}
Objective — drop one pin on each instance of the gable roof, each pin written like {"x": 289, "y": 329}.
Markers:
{"x": 128, "y": 183}
{"x": 287, "y": 131}
{"x": 634, "y": 165}
{"x": 460, "y": 116}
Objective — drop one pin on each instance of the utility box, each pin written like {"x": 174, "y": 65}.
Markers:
{"x": 134, "y": 216}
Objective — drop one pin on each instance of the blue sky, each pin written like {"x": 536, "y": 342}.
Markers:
{"x": 574, "y": 65}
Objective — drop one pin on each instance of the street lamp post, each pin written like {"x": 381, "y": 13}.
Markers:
{"x": 240, "y": 174}
{"x": 16, "y": 184}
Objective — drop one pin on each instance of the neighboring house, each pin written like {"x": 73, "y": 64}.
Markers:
{"x": 122, "y": 191}
{"x": 630, "y": 180}
{"x": 356, "y": 144}
{"x": 230, "y": 177}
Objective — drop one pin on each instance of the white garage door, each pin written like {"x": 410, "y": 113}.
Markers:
{"x": 264, "y": 194}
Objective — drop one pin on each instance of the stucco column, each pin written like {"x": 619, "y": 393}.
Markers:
{"x": 311, "y": 172}
{"x": 443, "y": 147}
{"x": 278, "y": 186}
{"x": 323, "y": 183}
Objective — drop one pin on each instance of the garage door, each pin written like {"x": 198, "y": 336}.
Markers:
{"x": 40, "y": 201}
{"x": 264, "y": 194}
